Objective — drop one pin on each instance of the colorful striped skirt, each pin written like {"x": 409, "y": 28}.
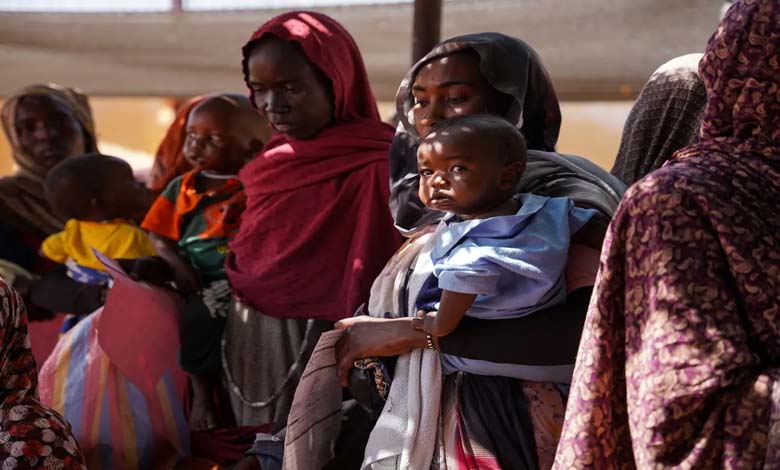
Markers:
{"x": 120, "y": 423}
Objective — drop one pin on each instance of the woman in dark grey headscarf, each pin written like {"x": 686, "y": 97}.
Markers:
{"x": 517, "y": 427}
{"x": 520, "y": 90}
{"x": 665, "y": 118}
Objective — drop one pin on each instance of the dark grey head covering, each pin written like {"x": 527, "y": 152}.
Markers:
{"x": 665, "y": 118}
{"x": 512, "y": 67}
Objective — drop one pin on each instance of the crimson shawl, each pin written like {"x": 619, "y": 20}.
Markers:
{"x": 317, "y": 229}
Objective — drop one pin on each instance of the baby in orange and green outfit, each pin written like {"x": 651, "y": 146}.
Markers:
{"x": 191, "y": 223}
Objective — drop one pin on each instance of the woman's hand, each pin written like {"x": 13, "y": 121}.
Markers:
{"x": 23, "y": 285}
{"x": 366, "y": 336}
{"x": 151, "y": 269}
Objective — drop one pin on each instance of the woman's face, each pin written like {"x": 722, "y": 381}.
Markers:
{"x": 288, "y": 89}
{"x": 48, "y": 131}
{"x": 451, "y": 86}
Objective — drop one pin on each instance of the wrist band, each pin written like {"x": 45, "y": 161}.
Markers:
{"x": 429, "y": 340}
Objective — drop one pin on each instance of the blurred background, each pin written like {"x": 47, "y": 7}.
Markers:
{"x": 138, "y": 59}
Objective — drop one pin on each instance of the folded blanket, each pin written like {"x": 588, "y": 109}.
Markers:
{"x": 405, "y": 434}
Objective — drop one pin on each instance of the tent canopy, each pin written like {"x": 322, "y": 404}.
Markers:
{"x": 599, "y": 49}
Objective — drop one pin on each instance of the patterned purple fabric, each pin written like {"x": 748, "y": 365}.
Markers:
{"x": 32, "y": 436}
{"x": 679, "y": 364}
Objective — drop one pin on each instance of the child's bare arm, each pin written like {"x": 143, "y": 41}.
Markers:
{"x": 186, "y": 278}
{"x": 452, "y": 307}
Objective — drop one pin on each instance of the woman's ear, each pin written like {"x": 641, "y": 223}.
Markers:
{"x": 253, "y": 148}
{"x": 510, "y": 176}
{"x": 256, "y": 145}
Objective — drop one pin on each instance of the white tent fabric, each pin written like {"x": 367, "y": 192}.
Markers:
{"x": 596, "y": 49}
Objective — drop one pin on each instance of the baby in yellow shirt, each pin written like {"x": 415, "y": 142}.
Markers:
{"x": 100, "y": 197}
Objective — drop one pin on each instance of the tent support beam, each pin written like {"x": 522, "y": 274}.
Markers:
{"x": 426, "y": 32}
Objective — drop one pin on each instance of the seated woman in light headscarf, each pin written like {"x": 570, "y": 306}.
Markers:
{"x": 44, "y": 125}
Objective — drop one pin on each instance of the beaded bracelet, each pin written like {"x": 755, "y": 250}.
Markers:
{"x": 429, "y": 340}
{"x": 417, "y": 324}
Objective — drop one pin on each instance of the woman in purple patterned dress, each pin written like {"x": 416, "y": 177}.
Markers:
{"x": 31, "y": 435}
{"x": 679, "y": 364}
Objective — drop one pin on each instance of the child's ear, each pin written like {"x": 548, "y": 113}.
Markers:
{"x": 97, "y": 207}
{"x": 510, "y": 176}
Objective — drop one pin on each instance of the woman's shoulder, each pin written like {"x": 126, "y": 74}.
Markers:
{"x": 667, "y": 187}
{"x": 676, "y": 199}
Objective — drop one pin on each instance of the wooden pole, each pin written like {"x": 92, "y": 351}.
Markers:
{"x": 427, "y": 27}
{"x": 177, "y": 6}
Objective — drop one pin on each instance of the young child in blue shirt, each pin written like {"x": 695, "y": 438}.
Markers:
{"x": 496, "y": 254}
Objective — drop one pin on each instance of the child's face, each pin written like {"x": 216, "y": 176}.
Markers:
{"x": 209, "y": 143}
{"x": 124, "y": 196}
{"x": 457, "y": 174}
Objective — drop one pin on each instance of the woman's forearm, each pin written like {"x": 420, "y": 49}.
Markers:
{"x": 547, "y": 337}
{"x": 365, "y": 336}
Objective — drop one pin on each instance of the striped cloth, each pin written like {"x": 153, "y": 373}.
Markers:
{"x": 118, "y": 424}
{"x": 116, "y": 379}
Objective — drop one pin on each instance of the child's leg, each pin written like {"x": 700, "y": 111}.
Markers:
{"x": 203, "y": 414}
{"x": 201, "y": 336}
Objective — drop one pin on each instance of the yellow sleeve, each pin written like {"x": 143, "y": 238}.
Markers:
{"x": 136, "y": 243}
{"x": 145, "y": 246}
{"x": 54, "y": 247}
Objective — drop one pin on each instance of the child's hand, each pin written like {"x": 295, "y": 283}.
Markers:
{"x": 186, "y": 278}
{"x": 424, "y": 321}
{"x": 151, "y": 269}
{"x": 429, "y": 323}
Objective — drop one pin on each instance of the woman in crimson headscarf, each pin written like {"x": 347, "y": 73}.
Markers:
{"x": 678, "y": 363}
{"x": 317, "y": 229}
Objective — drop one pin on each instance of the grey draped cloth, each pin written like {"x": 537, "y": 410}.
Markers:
{"x": 512, "y": 67}
{"x": 665, "y": 118}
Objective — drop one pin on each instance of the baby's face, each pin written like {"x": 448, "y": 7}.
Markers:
{"x": 458, "y": 174}
{"x": 209, "y": 143}
{"x": 125, "y": 197}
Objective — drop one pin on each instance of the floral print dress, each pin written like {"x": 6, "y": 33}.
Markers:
{"x": 32, "y": 436}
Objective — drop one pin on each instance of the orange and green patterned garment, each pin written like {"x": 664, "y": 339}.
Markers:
{"x": 201, "y": 222}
